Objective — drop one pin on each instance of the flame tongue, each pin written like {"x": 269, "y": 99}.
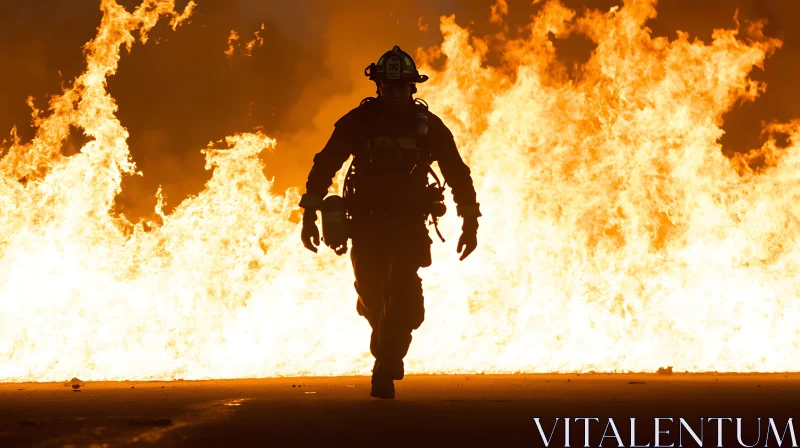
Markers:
{"x": 616, "y": 236}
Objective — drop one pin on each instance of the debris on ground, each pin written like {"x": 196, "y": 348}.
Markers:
{"x": 664, "y": 371}
{"x": 637, "y": 382}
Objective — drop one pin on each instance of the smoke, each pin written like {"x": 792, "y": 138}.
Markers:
{"x": 180, "y": 91}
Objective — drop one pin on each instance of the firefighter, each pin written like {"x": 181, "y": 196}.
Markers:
{"x": 388, "y": 200}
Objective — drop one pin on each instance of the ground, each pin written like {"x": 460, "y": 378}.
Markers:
{"x": 430, "y": 410}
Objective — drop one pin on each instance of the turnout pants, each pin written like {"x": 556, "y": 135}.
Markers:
{"x": 386, "y": 255}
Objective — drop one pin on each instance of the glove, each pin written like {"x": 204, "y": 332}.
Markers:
{"x": 469, "y": 237}
{"x": 341, "y": 250}
{"x": 310, "y": 233}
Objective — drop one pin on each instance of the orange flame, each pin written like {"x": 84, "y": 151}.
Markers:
{"x": 232, "y": 38}
{"x": 616, "y": 235}
{"x": 499, "y": 11}
{"x": 247, "y": 48}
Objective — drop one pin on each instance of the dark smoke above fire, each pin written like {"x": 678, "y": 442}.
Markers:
{"x": 178, "y": 95}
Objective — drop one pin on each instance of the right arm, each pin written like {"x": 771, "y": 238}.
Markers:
{"x": 326, "y": 163}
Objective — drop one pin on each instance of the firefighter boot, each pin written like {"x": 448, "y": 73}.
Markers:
{"x": 382, "y": 381}
{"x": 382, "y": 388}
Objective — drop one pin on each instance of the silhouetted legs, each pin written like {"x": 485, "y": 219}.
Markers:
{"x": 389, "y": 292}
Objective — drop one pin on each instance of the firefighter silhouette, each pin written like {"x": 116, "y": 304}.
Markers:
{"x": 390, "y": 195}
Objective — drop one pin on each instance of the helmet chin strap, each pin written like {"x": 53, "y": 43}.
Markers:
{"x": 404, "y": 104}
{"x": 378, "y": 89}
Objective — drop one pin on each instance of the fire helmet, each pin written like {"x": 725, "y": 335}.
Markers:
{"x": 395, "y": 65}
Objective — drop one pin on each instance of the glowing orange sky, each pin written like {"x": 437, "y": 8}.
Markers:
{"x": 176, "y": 96}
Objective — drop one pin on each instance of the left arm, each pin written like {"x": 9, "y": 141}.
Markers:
{"x": 458, "y": 175}
{"x": 455, "y": 171}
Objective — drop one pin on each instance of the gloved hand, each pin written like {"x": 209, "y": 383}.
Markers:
{"x": 341, "y": 249}
{"x": 310, "y": 233}
{"x": 469, "y": 237}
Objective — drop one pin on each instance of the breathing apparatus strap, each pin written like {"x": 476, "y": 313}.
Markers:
{"x": 347, "y": 188}
{"x": 436, "y": 227}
